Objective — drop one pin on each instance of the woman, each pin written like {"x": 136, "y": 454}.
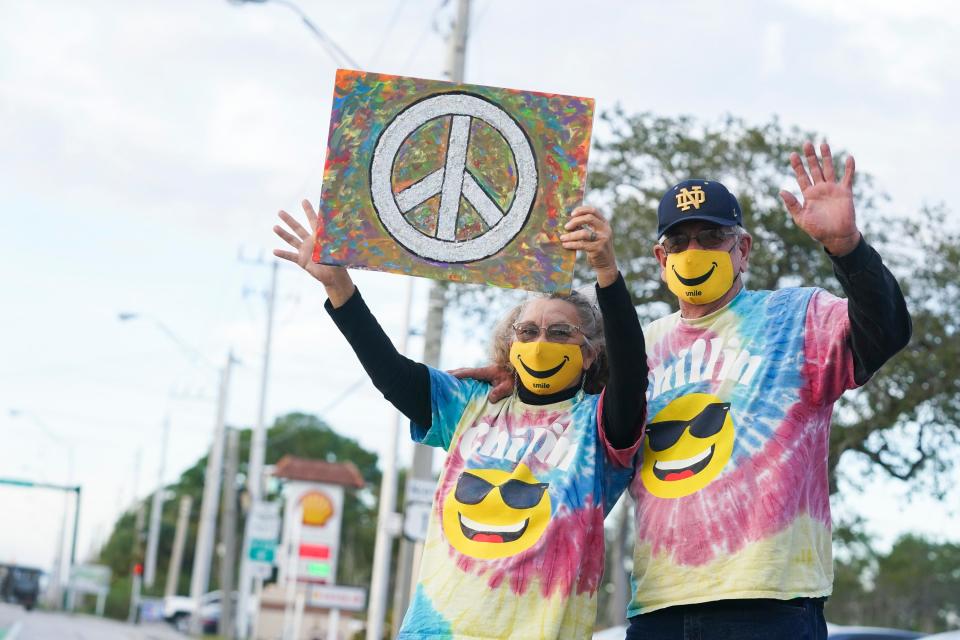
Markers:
{"x": 515, "y": 543}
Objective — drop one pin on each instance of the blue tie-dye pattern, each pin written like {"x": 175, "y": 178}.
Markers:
{"x": 449, "y": 398}
{"x": 591, "y": 481}
{"x": 771, "y": 324}
{"x": 422, "y": 620}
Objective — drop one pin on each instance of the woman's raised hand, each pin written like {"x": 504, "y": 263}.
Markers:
{"x": 588, "y": 230}
{"x": 336, "y": 279}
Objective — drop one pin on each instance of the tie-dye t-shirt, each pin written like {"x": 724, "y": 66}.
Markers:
{"x": 515, "y": 545}
{"x": 731, "y": 485}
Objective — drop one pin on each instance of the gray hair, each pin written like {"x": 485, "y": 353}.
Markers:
{"x": 591, "y": 325}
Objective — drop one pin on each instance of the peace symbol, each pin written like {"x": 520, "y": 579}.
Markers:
{"x": 452, "y": 181}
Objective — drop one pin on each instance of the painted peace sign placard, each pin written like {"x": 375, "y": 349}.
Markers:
{"x": 454, "y": 182}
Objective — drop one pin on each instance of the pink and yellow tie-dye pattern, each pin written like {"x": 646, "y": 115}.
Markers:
{"x": 489, "y": 570}
{"x": 761, "y": 527}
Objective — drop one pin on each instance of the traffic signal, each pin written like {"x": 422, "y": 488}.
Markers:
{"x": 138, "y": 569}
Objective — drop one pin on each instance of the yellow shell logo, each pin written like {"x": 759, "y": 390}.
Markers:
{"x": 687, "y": 445}
{"x": 317, "y": 508}
{"x": 495, "y": 514}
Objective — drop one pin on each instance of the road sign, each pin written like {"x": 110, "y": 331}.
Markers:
{"x": 265, "y": 520}
{"x": 262, "y": 550}
{"x": 416, "y": 512}
{"x": 416, "y": 518}
{"x": 264, "y": 530}
{"x": 453, "y": 181}
{"x": 336, "y": 597}
{"x": 89, "y": 578}
{"x": 418, "y": 490}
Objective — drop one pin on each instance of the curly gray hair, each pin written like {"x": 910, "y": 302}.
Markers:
{"x": 591, "y": 324}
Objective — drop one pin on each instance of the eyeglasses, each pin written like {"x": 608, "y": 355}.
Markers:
{"x": 663, "y": 435}
{"x": 709, "y": 238}
{"x": 556, "y": 332}
{"x": 517, "y": 494}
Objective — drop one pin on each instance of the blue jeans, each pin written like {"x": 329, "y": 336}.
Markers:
{"x": 760, "y": 619}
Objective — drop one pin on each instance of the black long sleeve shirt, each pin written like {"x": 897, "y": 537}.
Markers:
{"x": 406, "y": 383}
{"x": 880, "y": 324}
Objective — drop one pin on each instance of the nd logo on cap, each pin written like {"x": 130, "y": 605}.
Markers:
{"x": 693, "y": 197}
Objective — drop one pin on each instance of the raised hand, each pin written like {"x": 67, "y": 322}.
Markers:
{"x": 336, "y": 279}
{"x": 589, "y": 230}
{"x": 827, "y": 214}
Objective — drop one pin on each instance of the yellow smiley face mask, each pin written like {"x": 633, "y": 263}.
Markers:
{"x": 546, "y": 367}
{"x": 699, "y": 276}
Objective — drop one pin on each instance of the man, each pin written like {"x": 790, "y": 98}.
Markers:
{"x": 731, "y": 490}
{"x": 732, "y": 497}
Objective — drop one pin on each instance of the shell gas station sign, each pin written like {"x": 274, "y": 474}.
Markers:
{"x": 312, "y": 531}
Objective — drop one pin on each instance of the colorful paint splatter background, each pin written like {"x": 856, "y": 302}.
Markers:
{"x": 350, "y": 232}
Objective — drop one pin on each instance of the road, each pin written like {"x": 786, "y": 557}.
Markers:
{"x": 17, "y": 624}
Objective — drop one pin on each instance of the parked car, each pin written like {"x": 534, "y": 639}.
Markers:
{"x": 210, "y": 610}
{"x": 838, "y": 632}
{"x": 611, "y": 633}
{"x": 178, "y": 609}
{"x": 20, "y": 585}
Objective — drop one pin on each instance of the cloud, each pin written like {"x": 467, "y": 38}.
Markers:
{"x": 771, "y": 49}
{"x": 909, "y": 46}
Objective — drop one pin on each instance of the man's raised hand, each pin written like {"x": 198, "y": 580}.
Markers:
{"x": 826, "y": 214}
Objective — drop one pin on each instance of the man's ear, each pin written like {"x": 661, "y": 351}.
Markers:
{"x": 661, "y": 257}
{"x": 744, "y": 246}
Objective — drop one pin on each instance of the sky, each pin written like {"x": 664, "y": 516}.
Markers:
{"x": 145, "y": 148}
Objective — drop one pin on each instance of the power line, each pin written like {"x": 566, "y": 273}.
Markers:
{"x": 334, "y": 50}
{"x": 386, "y": 34}
{"x": 428, "y": 26}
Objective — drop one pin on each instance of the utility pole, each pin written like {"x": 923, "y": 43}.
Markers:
{"x": 422, "y": 467}
{"x": 228, "y": 534}
{"x": 56, "y": 590}
{"x": 156, "y": 508}
{"x": 377, "y": 609}
{"x": 136, "y": 571}
{"x": 258, "y": 449}
{"x": 620, "y": 597}
{"x": 179, "y": 541}
{"x": 206, "y": 531}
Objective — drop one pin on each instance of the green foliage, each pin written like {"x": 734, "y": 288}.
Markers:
{"x": 914, "y": 586}
{"x": 307, "y": 436}
{"x": 298, "y": 434}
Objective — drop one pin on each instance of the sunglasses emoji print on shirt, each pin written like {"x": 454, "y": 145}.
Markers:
{"x": 493, "y": 513}
{"x": 687, "y": 445}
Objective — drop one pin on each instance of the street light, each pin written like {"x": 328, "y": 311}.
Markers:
{"x": 189, "y": 351}
{"x": 203, "y": 549}
{"x": 156, "y": 505}
{"x": 333, "y": 49}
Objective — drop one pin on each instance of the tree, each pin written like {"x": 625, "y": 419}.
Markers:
{"x": 299, "y": 434}
{"x": 913, "y": 586}
{"x": 904, "y": 421}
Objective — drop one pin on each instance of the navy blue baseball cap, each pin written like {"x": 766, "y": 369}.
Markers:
{"x": 698, "y": 200}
